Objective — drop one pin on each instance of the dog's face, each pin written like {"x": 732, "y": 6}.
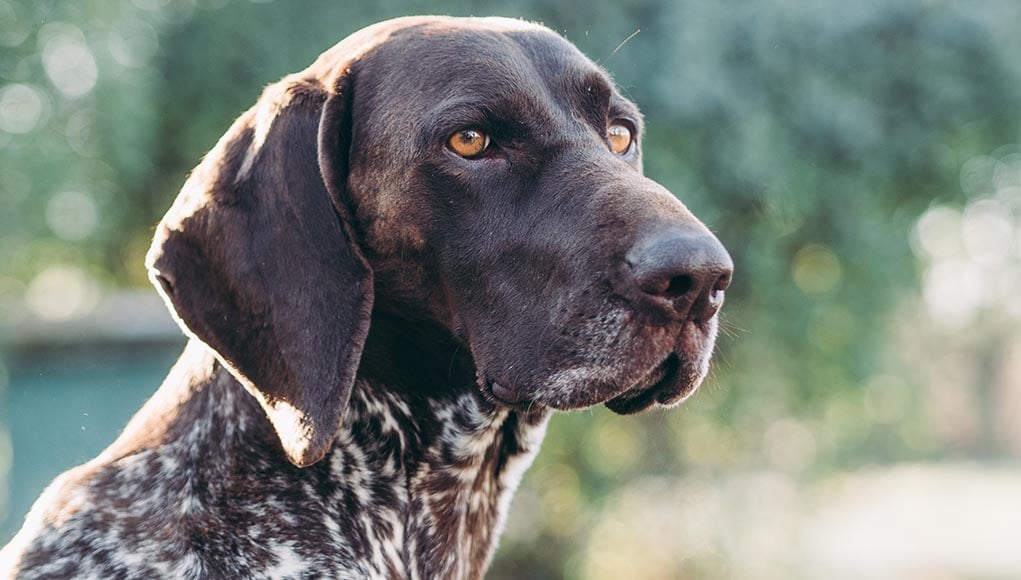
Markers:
{"x": 497, "y": 187}
{"x": 481, "y": 174}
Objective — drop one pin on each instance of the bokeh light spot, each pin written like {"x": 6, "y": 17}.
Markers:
{"x": 133, "y": 43}
{"x": 61, "y": 293}
{"x": 21, "y": 108}
{"x": 1007, "y": 171}
{"x": 937, "y": 233}
{"x": 953, "y": 290}
{"x": 988, "y": 232}
{"x": 977, "y": 175}
{"x": 816, "y": 269}
{"x": 561, "y": 499}
{"x": 81, "y": 133}
{"x": 15, "y": 24}
{"x": 72, "y": 215}
{"x": 615, "y": 448}
{"x": 67, "y": 59}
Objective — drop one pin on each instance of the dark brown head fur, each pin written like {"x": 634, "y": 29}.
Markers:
{"x": 337, "y": 194}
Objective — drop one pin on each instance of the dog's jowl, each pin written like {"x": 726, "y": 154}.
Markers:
{"x": 392, "y": 269}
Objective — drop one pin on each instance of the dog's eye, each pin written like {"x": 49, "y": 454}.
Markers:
{"x": 469, "y": 143}
{"x": 620, "y": 138}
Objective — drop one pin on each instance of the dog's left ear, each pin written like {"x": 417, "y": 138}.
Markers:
{"x": 258, "y": 260}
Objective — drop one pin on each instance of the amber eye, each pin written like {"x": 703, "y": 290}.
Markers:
{"x": 620, "y": 138}
{"x": 469, "y": 143}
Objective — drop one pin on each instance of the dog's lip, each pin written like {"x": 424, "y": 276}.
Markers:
{"x": 502, "y": 395}
{"x": 672, "y": 377}
{"x": 656, "y": 376}
{"x": 646, "y": 392}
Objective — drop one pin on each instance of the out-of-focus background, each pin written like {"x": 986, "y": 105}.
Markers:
{"x": 861, "y": 161}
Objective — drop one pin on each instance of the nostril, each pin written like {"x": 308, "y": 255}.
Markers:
{"x": 679, "y": 286}
{"x": 668, "y": 286}
{"x": 722, "y": 283}
{"x": 707, "y": 305}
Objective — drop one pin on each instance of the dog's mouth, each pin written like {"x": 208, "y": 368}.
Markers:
{"x": 658, "y": 376}
{"x": 667, "y": 383}
{"x": 660, "y": 385}
{"x": 663, "y": 380}
{"x": 674, "y": 379}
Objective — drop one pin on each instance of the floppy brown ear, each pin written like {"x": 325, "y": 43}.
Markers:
{"x": 258, "y": 260}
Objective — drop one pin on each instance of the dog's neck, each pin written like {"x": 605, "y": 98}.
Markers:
{"x": 468, "y": 455}
{"x": 419, "y": 479}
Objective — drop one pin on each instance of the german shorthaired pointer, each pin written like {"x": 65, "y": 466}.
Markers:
{"x": 392, "y": 268}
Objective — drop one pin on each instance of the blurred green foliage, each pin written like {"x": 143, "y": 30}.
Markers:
{"x": 810, "y": 135}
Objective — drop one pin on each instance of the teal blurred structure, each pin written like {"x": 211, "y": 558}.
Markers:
{"x": 65, "y": 406}
{"x": 862, "y": 162}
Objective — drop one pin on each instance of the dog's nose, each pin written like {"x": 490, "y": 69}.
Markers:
{"x": 681, "y": 272}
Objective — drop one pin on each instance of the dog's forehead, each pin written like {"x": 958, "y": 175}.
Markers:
{"x": 446, "y": 55}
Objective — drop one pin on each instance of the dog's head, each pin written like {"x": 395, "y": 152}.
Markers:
{"x": 479, "y": 173}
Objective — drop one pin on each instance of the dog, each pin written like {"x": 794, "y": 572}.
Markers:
{"x": 392, "y": 269}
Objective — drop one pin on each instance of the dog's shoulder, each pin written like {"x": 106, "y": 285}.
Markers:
{"x": 88, "y": 522}
{"x": 197, "y": 486}
{"x": 151, "y": 504}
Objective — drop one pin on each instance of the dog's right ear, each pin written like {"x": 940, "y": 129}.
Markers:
{"x": 259, "y": 261}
